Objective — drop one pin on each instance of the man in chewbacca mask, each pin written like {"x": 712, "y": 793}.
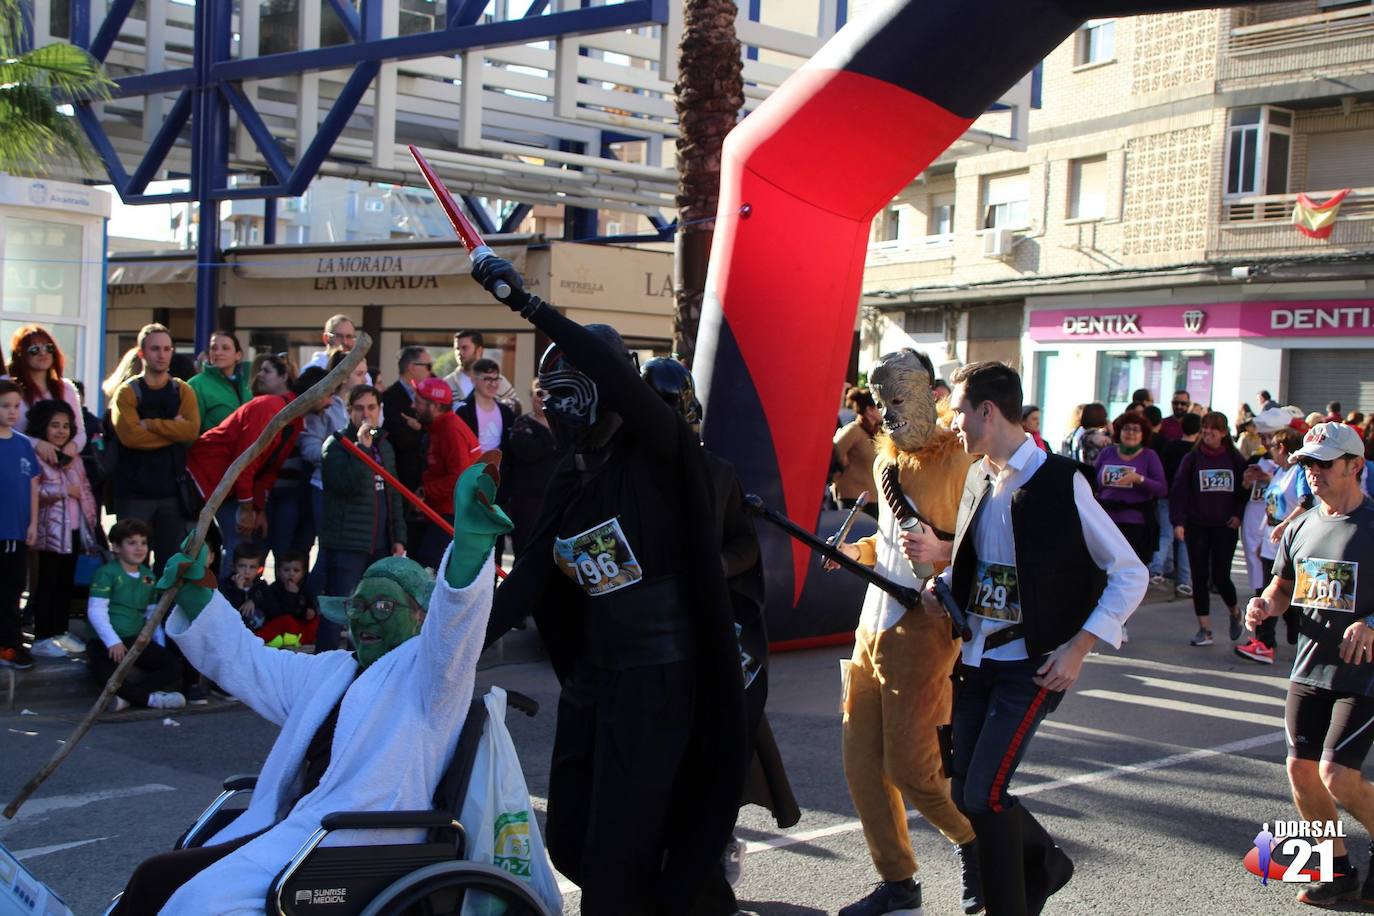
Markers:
{"x": 898, "y": 691}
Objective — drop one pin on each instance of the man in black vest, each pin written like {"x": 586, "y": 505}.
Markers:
{"x": 155, "y": 418}
{"x": 1043, "y": 573}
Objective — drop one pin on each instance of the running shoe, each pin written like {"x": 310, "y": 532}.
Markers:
{"x": 1158, "y": 581}
{"x": 118, "y": 704}
{"x": 48, "y": 648}
{"x": 1237, "y": 625}
{"x": 898, "y": 898}
{"x": 166, "y": 699}
{"x": 197, "y": 695}
{"x": 18, "y": 657}
{"x": 1331, "y": 893}
{"x": 1202, "y": 637}
{"x": 1256, "y": 651}
{"x": 1183, "y": 590}
{"x": 70, "y": 643}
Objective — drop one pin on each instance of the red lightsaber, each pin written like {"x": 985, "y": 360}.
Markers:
{"x": 401, "y": 488}
{"x": 478, "y": 250}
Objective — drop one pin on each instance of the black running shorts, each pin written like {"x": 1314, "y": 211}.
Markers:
{"x": 1322, "y": 724}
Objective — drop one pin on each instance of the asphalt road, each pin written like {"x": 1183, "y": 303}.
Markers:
{"x": 1155, "y": 774}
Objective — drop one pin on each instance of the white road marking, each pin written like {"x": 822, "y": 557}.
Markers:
{"x": 35, "y": 852}
{"x": 782, "y": 841}
{"x": 38, "y": 806}
{"x": 1197, "y": 709}
{"x": 1278, "y": 683}
{"x": 1204, "y": 690}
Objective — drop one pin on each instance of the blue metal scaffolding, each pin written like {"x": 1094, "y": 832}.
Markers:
{"x": 211, "y": 88}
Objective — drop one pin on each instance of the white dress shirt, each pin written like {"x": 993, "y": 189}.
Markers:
{"x": 1127, "y": 577}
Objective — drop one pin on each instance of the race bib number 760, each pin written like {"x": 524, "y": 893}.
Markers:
{"x": 1327, "y": 585}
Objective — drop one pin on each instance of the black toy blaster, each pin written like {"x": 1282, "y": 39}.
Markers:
{"x": 908, "y": 597}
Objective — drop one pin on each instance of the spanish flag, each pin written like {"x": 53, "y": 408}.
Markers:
{"x": 1316, "y": 220}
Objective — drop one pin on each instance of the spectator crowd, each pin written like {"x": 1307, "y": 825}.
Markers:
{"x": 166, "y": 440}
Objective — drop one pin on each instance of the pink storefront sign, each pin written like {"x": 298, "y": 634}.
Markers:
{"x": 1321, "y": 318}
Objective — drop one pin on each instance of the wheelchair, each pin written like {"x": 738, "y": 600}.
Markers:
{"x": 430, "y": 878}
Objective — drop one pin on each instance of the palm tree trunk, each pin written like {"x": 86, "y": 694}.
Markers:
{"x": 710, "y": 93}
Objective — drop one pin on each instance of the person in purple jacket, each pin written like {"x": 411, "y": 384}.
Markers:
{"x": 1130, "y": 477}
{"x": 1206, "y": 502}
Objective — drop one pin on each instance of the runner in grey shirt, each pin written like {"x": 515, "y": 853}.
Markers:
{"x": 1325, "y": 568}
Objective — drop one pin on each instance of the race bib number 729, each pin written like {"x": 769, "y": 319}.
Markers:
{"x": 995, "y": 593}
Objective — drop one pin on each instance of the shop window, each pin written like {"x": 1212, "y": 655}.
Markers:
{"x": 1096, "y": 42}
{"x": 1088, "y": 188}
{"x": 1258, "y": 145}
{"x": 42, "y": 267}
{"x": 1120, "y": 372}
{"x": 1006, "y": 201}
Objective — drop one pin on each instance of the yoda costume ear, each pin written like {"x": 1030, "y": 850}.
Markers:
{"x": 392, "y": 599}
{"x": 901, "y": 386}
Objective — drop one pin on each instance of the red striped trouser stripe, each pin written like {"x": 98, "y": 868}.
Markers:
{"x": 994, "y": 804}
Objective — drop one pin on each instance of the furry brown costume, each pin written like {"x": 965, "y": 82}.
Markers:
{"x": 898, "y": 686}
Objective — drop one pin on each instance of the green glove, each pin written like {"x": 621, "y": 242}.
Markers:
{"x": 197, "y": 583}
{"x": 477, "y": 521}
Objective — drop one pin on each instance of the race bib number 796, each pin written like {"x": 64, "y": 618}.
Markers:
{"x": 599, "y": 559}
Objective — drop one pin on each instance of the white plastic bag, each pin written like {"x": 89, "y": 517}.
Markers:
{"x": 499, "y": 819}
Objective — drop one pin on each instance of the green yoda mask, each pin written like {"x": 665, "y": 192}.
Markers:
{"x": 386, "y": 609}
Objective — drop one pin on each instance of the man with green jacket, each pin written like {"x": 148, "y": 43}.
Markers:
{"x": 363, "y": 518}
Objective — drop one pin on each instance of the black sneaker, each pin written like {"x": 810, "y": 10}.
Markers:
{"x": 197, "y": 695}
{"x": 971, "y": 878}
{"x": 900, "y": 898}
{"x": 1331, "y": 893}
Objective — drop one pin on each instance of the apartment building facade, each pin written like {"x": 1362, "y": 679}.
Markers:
{"x": 1144, "y": 238}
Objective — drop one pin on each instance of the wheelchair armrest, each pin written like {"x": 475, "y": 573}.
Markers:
{"x": 526, "y": 704}
{"x": 241, "y": 783}
{"x": 368, "y": 820}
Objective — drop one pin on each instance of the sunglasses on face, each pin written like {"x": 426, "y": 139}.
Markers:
{"x": 1315, "y": 462}
{"x": 381, "y": 609}
{"x": 35, "y": 349}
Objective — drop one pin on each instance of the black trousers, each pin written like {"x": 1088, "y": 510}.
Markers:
{"x": 13, "y": 571}
{"x": 155, "y": 881}
{"x": 618, "y": 746}
{"x": 50, "y": 599}
{"x": 157, "y": 668}
{"x": 1138, "y": 536}
{"x": 1210, "y": 550}
{"x": 997, "y": 709}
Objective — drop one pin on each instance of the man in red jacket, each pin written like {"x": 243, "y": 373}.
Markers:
{"x": 452, "y": 448}
{"x": 245, "y": 515}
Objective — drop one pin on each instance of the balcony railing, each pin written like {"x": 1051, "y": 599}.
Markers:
{"x": 1278, "y": 208}
{"x": 1300, "y": 34}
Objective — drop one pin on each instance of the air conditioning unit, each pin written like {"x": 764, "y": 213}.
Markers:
{"x": 997, "y": 243}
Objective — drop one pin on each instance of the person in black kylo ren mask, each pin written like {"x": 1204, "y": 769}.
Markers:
{"x": 624, "y": 578}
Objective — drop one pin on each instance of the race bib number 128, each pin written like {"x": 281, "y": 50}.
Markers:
{"x": 599, "y": 559}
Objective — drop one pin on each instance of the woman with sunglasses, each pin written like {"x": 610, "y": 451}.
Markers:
{"x": 1206, "y": 503}
{"x": 221, "y": 385}
{"x": 36, "y": 364}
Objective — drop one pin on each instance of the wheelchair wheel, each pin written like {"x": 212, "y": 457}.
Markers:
{"x": 457, "y": 889}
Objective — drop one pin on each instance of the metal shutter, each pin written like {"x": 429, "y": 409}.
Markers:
{"x": 1318, "y": 376}
{"x": 1340, "y": 160}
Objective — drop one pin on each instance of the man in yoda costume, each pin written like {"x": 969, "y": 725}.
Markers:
{"x": 370, "y": 730}
{"x": 899, "y": 679}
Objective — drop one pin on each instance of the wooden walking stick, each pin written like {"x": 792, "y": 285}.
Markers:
{"x": 291, "y": 412}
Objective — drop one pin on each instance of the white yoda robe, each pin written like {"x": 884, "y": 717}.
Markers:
{"x": 395, "y": 736}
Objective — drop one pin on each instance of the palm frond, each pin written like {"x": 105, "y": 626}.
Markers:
{"x": 65, "y": 69}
